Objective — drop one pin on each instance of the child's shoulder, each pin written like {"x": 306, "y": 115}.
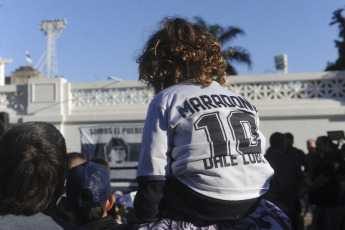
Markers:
{"x": 186, "y": 90}
{"x": 190, "y": 87}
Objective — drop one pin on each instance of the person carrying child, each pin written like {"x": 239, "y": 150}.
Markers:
{"x": 201, "y": 163}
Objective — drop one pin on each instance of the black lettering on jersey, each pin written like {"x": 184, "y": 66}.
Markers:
{"x": 252, "y": 158}
{"x": 186, "y": 110}
{"x": 233, "y": 158}
{"x": 246, "y": 103}
{"x": 245, "y": 161}
{"x": 244, "y": 130}
{"x": 218, "y": 101}
{"x": 236, "y": 101}
{"x": 258, "y": 157}
{"x": 207, "y": 101}
{"x": 219, "y": 162}
{"x": 204, "y": 102}
{"x": 227, "y": 100}
{"x": 214, "y": 131}
{"x": 226, "y": 163}
{"x": 255, "y": 108}
{"x": 196, "y": 103}
{"x": 208, "y": 163}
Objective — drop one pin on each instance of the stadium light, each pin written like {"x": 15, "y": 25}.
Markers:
{"x": 281, "y": 62}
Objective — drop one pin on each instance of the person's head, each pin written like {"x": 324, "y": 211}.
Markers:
{"x": 289, "y": 140}
{"x": 88, "y": 191}
{"x": 102, "y": 162}
{"x": 181, "y": 51}
{"x": 74, "y": 159}
{"x": 311, "y": 146}
{"x": 324, "y": 145}
{"x": 278, "y": 141}
{"x": 117, "y": 151}
{"x": 32, "y": 168}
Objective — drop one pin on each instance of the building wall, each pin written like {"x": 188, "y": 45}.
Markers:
{"x": 305, "y": 104}
{"x": 302, "y": 128}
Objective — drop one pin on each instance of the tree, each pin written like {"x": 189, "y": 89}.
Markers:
{"x": 225, "y": 35}
{"x": 339, "y": 64}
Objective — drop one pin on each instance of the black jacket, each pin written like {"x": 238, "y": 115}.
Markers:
{"x": 106, "y": 223}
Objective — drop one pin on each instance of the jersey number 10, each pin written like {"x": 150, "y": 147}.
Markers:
{"x": 242, "y": 127}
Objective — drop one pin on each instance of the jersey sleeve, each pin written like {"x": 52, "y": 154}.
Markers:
{"x": 154, "y": 160}
{"x": 154, "y": 164}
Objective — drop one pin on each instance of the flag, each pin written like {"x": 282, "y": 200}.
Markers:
{"x": 27, "y": 56}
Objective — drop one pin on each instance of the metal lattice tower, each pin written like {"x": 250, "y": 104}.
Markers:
{"x": 52, "y": 29}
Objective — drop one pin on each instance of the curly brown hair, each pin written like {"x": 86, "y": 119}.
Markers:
{"x": 181, "y": 51}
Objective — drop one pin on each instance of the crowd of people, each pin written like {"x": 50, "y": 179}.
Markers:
{"x": 32, "y": 168}
{"x": 203, "y": 162}
{"x": 308, "y": 183}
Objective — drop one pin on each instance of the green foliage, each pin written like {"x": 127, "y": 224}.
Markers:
{"x": 339, "y": 64}
{"x": 225, "y": 35}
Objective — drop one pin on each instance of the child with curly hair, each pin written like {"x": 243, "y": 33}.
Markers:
{"x": 201, "y": 162}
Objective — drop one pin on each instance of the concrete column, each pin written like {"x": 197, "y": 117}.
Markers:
{"x": 46, "y": 99}
{"x": 3, "y": 62}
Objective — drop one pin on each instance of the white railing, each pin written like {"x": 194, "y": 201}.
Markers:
{"x": 91, "y": 96}
{"x": 13, "y": 99}
{"x": 330, "y": 85}
{"x": 109, "y": 94}
{"x": 286, "y": 102}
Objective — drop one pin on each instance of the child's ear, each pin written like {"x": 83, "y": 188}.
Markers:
{"x": 110, "y": 202}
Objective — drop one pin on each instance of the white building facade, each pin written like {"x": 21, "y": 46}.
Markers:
{"x": 304, "y": 104}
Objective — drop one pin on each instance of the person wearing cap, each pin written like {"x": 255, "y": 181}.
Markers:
{"x": 32, "y": 174}
{"x": 89, "y": 193}
{"x": 62, "y": 207}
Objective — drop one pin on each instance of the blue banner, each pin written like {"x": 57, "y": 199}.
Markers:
{"x": 118, "y": 144}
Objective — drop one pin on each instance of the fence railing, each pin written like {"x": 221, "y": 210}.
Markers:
{"x": 324, "y": 85}
{"x": 13, "y": 99}
{"x": 129, "y": 96}
{"x": 109, "y": 94}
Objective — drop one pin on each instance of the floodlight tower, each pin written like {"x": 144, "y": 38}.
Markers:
{"x": 52, "y": 29}
{"x": 281, "y": 62}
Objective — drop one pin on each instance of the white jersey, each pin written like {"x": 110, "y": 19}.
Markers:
{"x": 208, "y": 138}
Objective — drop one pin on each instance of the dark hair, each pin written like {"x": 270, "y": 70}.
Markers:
{"x": 325, "y": 144}
{"x": 88, "y": 214}
{"x": 101, "y": 162}
{"x": 32, "y": 168}
{"x": 72, "y": 156}
{"x": 116, "y": 142}
{"x": 289, "y": 136}
{"x": 277, "y": 140}
{"x": 181, "y": 51}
